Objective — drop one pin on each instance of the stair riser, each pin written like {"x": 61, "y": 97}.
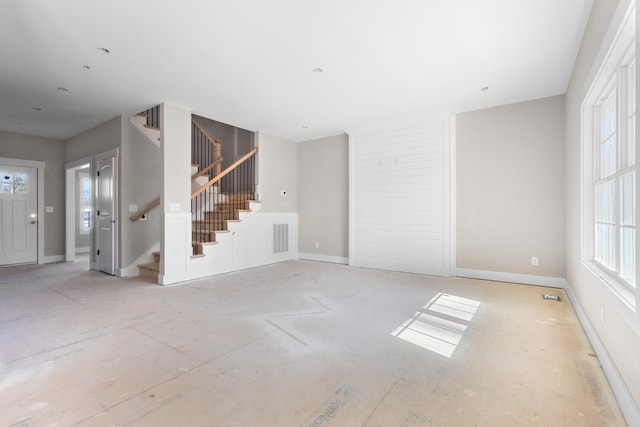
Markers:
{"x": 220, "y": 216}
{"x": 151, "y": 274}
{"x": 203, "y": 237}
{"x": 241, "y": 197}
{"x": 213, "y": 225}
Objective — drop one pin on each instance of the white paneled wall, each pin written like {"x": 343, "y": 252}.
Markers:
{"x": 399, "y": 199}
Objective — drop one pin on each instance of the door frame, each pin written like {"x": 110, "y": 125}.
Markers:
{"x": 70, "y": 205}
{"x": 39, "y": 165}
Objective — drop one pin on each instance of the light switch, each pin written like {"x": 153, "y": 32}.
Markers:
{"x": 133, "y": 208}
{"x": 49, "y": 209}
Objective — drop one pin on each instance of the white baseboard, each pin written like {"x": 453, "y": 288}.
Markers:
{"x": 52, "y": 258}
{"x": 126, "y": 272}
{"x": 625, "y": 400}
{"x": 525, "y": 279}
{"x": 323, "y": 258}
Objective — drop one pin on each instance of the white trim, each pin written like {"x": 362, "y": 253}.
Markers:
{"x": 323, "y": 258}
{"x": 52, "y": 258}
{"x": 446, "y": 181}
{"x": 453, "y": 197}
{"x": 525, "y": 279}
{"x": 39, "y": 165}
{"x": 351, "y": 179}
{"x": 622, "y": 13}
{"x": 21, "y": 162}
{"x": 623, "y": 396}
{"x": 69, "y": 216}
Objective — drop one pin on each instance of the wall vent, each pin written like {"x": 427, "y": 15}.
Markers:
{"x": 280, "y": 238}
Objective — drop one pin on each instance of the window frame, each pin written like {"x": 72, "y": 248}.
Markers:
{"x": 613, "y": 79}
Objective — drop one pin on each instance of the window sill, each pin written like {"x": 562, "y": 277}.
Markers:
{"x": 621, "y": 291}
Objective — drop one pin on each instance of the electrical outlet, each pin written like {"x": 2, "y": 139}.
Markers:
{"x": 535, "y": 261}
{"x": 317, "y": 245}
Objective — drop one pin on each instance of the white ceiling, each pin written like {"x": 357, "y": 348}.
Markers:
{"x": 249, "y": 63}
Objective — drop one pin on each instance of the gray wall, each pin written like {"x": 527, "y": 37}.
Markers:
{"x": 52, "y": 152}
{"x": 617, "y": 327}
{"x": 94, "y": 141}
{"x": 277, "y": 170}
{"x": 510, "y": 188}
{"x": 141, "y": 181}
{"x": 323, "y": 196}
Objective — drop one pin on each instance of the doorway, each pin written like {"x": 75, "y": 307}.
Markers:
{"x": 91, "y": 211}
{"x": 79, "y": 210}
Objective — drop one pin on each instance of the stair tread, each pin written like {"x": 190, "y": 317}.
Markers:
{"x": 151, "y": 127}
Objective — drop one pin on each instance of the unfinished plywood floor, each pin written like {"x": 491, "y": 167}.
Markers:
{"x": 293, "y": 344}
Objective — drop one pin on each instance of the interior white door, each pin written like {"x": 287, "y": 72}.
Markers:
{"x": 18, "y": 215}
{"x": 105, "y": 215}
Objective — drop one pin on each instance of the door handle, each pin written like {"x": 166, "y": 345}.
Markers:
{"x": 33, "y": 221}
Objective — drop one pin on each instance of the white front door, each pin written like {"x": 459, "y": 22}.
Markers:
{"x": 18, "y": 214}
{"x": 105, "y": 215}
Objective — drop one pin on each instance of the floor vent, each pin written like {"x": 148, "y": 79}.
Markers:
{"x": 551, "y": 297}
{"x": 280, "y": 238}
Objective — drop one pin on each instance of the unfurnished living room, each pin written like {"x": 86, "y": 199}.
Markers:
{"x": 340, "y": 213}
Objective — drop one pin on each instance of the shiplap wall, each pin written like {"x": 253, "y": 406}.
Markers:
{"x": 399, "y": 199}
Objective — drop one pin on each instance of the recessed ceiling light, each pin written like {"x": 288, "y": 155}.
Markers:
{"x": 103, "y": 50}
{"x": 484, "y": 88}
{"x": 86, "y": 67}
{"x": 317, "y": 70}
{"x": 63, "y": 89}
{"x": 37, "y": 109}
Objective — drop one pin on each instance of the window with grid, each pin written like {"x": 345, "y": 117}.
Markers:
{"x": 615, "y": 176}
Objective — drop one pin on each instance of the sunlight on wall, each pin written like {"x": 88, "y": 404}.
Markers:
{"x": 440, "y": 324}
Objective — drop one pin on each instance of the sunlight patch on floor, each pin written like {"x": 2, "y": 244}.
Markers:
{"x": 440, "y": 324}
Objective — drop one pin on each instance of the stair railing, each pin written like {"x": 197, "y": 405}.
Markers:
{"x": 222, "y": 198}
{"x": 205, "y": 150}
{"x": 153, "y": 117}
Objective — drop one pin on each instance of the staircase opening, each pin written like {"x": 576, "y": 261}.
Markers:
{"x": 221, "y": 188}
